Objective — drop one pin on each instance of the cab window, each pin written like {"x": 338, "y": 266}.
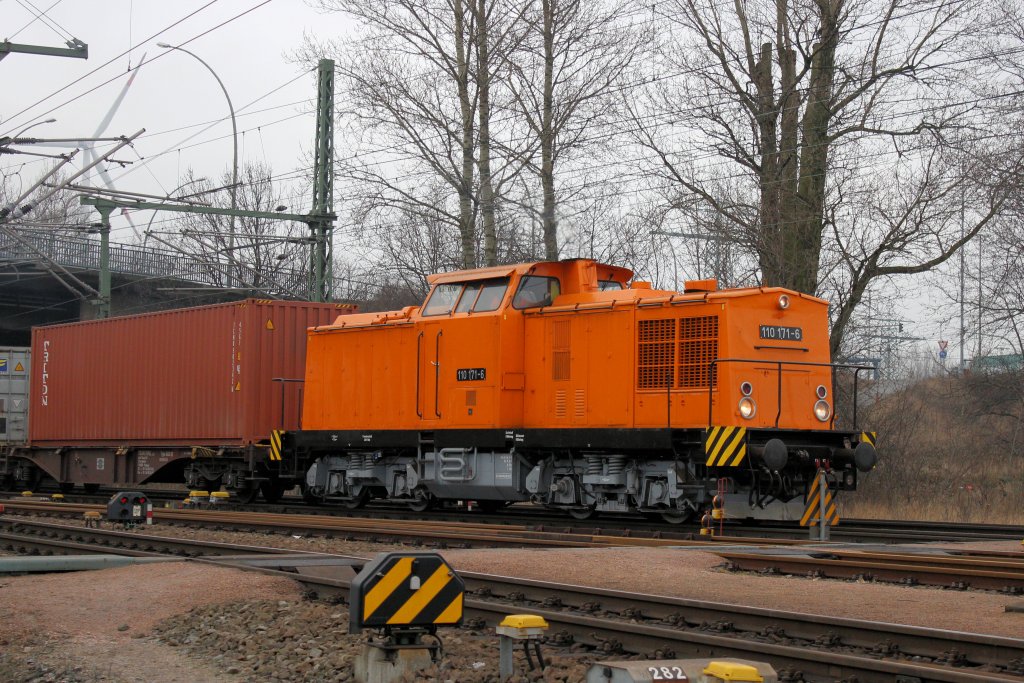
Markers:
{"x": 491, "y": 295}
{"x": 605, "y": 285}
{"x": 468, "y": 297}
{"x": 535, "y": 290}
{"x": 442, "y": 299}
{"x": 476, "y": 297}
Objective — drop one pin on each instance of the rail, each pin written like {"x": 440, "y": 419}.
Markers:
{"x": 712, "y": 367}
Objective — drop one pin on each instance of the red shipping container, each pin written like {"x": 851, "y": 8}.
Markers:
{"x": 195, "y": 376}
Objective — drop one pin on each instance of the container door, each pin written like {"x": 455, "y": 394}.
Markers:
{"x": 14, "y": 395}
{"x": 428, "y": 398}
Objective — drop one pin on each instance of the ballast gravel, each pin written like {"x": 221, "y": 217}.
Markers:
{"x": 282, "y": 641}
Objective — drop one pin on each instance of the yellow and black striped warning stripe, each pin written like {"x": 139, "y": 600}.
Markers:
{"x": 812, "y": 510}
{"x": 275, "y": 444}
{"x": 725, "y": 446}
{"x": 412, "y": 591}
{"x": 868, "y": 437}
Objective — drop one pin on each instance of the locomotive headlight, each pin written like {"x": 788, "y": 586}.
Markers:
{"x": 783, "y": 301}
{"x": 747, "y": 408}
{"x": 822, "y": 410}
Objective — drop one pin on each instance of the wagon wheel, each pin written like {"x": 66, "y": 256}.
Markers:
{"x": 246, "y": 495}
{"x": 91, "y": 488}
{"x": 67, "y": 486}
{"x": 272, "y": 490}
{"x": 421, "y": 501}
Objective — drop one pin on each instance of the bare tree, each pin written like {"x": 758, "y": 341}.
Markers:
{"x": 848, "y": 123}
{"x": 267, "y": 255}
{"x": 407, "y": 82}
{"x": 565, "y": 82}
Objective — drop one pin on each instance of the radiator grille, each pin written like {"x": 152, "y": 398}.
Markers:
{"x": 698, "y": 346}
{"x": 656, "y": 349}
{"x": 676, "y": 352}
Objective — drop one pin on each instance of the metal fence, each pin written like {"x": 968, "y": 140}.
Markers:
{"x": 82, "y": 252}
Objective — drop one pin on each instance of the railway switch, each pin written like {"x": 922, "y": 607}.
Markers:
{"x": 678, "y": 670}
{"x": 405, "y": 597}
{"x": 130, "y": 508}
{"x": 526, "y": 628}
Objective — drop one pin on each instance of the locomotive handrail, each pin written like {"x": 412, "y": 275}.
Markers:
{"x": 437, "y": 372}
{"x": 778, "y": 364}
{"x": 419, "y": 338}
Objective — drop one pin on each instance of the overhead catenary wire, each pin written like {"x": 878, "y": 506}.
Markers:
{"x": 41, "y": 16}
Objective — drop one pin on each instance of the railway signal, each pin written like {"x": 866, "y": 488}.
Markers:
{"x": 130, "y": 508}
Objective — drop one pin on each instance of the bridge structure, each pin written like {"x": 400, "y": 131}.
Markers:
{"x": 143, "y": 279}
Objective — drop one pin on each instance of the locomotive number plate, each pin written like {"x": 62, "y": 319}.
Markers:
{"x": 780, "y": 333}
{"x": 470, "y": 374}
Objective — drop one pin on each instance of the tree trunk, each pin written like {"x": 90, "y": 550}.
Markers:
{"x": 803, "y": 240}
{"x": 466, "y": 231}
{"x": 547, "y": 136}
{"x": 484, "y": 111}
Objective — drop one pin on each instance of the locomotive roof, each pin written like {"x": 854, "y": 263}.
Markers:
{"x": 617, "y": 273}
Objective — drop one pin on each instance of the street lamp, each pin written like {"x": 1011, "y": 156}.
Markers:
{"x": 6, "y": 140}
{"x": 234, "y": 137}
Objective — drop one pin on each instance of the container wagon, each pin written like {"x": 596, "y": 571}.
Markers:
{"x": 190, "y": 395}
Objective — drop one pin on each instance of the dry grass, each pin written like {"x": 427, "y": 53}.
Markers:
{"x": 950, "y": 449}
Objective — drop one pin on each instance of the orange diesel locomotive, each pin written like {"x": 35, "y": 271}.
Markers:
{"x": 565, "y": 384}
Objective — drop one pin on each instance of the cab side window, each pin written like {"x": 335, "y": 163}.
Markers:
{"x": 468, "y": 297}
{"x": 442, "y": 299}
{"x": 491, "y": 295}
{"x": 535, "y": 290}
{"x": 606, "y": 285}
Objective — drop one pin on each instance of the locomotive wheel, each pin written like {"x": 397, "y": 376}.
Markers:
{"x": 582, "y": 513}
{"x": 491, "y": 506}
{"x": 677, "y": 516}
{"x": 356, "y": 502}
{"x": 421, "y": 502}
{"x": 307, "y": 497}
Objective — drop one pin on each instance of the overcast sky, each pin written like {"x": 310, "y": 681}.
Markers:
{"x": 177, "y": 101}
{"x": 173, "y": 95}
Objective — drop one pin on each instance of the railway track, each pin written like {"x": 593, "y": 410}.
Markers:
{"x": 462, "y": 533}
{"x": 849, "y": 531}
{"x": 960, "y": 569}
{"x": 611, "y": 622}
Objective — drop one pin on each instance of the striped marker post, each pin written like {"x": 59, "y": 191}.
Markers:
{"x": 820, "y": 508}
{"x": 406, "y": 590}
